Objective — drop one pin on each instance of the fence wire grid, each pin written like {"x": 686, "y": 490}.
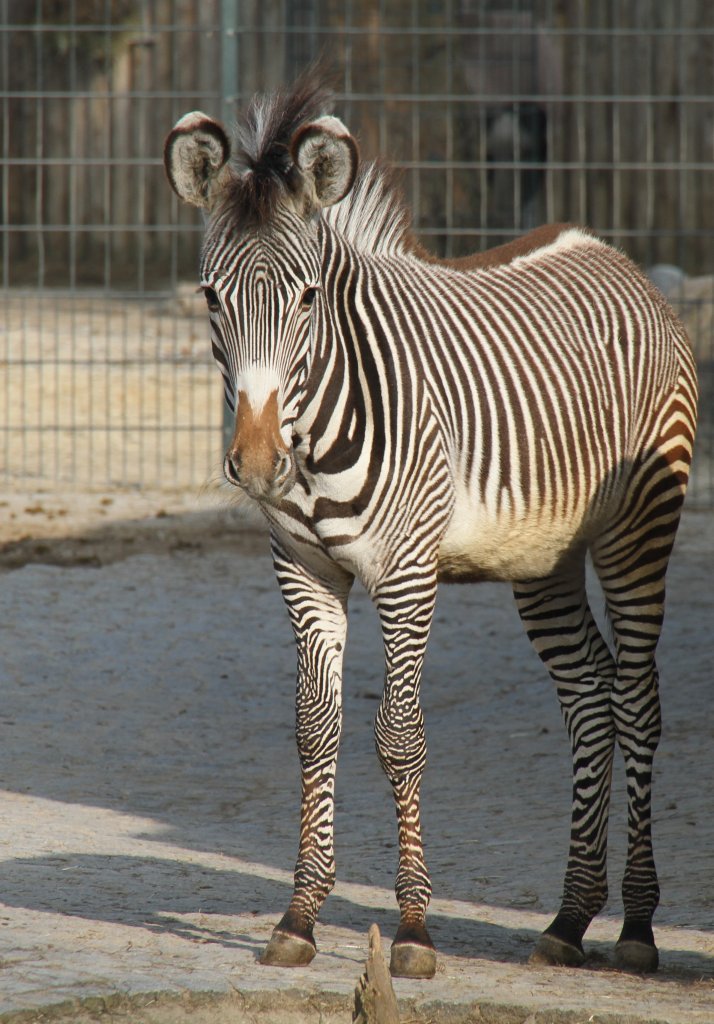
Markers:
{"x": 502, "y": 114}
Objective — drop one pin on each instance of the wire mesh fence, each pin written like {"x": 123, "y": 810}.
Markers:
{"x": 503, "y": 114}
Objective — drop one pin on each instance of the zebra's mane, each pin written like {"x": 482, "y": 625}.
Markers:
{"x": 266, "y": 174}
{"x": 373, "y": 216}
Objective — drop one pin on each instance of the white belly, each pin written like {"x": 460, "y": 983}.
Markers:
{"x": 482, "y": 544}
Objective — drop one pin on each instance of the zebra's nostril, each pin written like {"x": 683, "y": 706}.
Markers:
{"x": 284, "y": 472}
{"x": 231, "y": 467}
{"x": 283, "y": 466}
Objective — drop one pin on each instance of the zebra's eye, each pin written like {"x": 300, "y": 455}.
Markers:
{"x": 308, "y": 297}
{"x": 212, "y": 300}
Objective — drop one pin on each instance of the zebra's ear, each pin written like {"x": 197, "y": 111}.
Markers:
{"x": 195, "y": 156}
{"x": 327, "y": 155}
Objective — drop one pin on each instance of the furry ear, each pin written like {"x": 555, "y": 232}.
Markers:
{"x": 195, "y": 157}
{"x": 327, "y": 156}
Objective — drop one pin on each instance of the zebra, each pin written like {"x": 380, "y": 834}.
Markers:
{"x": 406, "y": 420}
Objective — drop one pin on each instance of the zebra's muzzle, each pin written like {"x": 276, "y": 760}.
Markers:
{"x": 259, "y": 460}
{"x": 260, "y": 482}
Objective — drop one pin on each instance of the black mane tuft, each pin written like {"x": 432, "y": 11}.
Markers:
{"x": 373, "y": 216}
{"x": 262, "y": 156}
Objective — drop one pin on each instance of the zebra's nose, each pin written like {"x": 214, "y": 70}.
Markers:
{"x": 259, "y": 458}
{"x": 261, "y": 479}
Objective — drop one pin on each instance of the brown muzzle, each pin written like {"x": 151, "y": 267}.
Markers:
{"x": 258, "y": 459}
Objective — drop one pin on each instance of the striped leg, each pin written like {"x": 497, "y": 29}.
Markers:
{"x": 631, "y": 560}
{"x": 318, "y": 612}
{"x": 561, "y": 627}
{"x": 406, "y": 608}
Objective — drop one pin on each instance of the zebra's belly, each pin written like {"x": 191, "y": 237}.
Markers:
{"x": 482, "y": 545}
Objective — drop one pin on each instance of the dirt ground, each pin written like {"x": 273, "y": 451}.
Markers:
{"x": 150, "y": 787}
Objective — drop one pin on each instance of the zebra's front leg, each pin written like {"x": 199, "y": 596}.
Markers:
{"x": 401, "y": 747}
{"x": 318, "y": 612}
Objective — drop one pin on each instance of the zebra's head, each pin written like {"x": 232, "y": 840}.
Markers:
{"x": 261, "y": 263}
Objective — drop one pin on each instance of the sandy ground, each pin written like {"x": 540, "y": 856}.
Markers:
{"x": 150, "y": 786}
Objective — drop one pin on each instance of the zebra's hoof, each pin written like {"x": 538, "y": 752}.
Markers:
{"x": 636, "y": 957}
{"x": 285, "y": 950}
{"x": 411, "y": 960}
{"x": 554, "y": 952}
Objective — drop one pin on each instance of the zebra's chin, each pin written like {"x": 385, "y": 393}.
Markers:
{"x": 266, "y": 492}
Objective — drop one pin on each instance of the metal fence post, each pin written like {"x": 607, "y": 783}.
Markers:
{"x": 230, "y": 18}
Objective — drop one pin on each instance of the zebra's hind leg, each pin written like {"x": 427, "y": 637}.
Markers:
{"x": 631, "y": 561}
{"x": 318, "y": 612}
{"x": 401, "y": 748}
{"x": 560, "y": 625}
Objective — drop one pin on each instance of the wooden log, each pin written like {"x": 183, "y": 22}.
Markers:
{"x": 375, "y": 1001}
